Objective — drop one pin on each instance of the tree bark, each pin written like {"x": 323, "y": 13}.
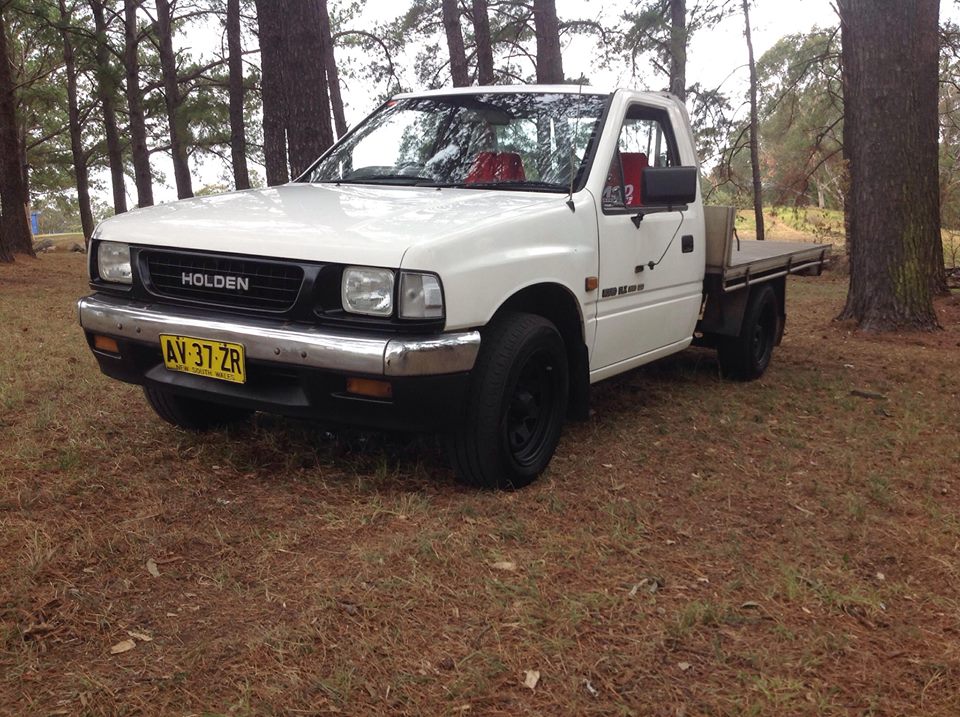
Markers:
{"x": 176, "y": 122}
{"x": 107, "y": 92}
{"x": 238, "y": 136}
{"x": 15, "y": 236}
{"x": 333, "y": 74}
{"x": 547, "y": 29}
{"x": 678, "y": 49}
{"x": 928, "y": 60}
{"x": 272, "y": 89}
{"x": 142, "y": 175}
{"x": 76, "y": 130}
{"x": 754, "y": 128}
{"x": 481, "y": 35}
{"x": 309, "y": 129}
{"x": 458, "y": 57}
{"x": 892, "y": 112}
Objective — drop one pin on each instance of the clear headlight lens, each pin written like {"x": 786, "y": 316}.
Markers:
{"x": 368, "y": 291}
{"x": 113, "y": 262}
{"x": 420, "y": 296}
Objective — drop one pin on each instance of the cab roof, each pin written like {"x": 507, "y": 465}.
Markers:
{"x": 532, "y": 89}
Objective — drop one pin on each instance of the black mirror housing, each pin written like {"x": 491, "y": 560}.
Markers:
{"x": 669, "y": 186}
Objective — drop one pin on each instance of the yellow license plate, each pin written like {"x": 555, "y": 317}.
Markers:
{"x": 213, "y": 359}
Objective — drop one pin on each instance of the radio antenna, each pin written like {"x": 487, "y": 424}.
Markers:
{"x": 573, "y": 144}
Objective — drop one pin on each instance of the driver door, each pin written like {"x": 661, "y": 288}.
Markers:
{"x": 650, "y": 280}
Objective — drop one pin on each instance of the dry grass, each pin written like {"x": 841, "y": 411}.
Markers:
{"x": 697, "y": 548}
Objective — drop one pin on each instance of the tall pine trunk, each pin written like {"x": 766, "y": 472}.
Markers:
{"x": 176, "y": 122}
{"x": 272, "y": 85}
{"x": 333, "y": 74}
{"x": 81, "y": 177}
{"x": 928, "y": 59}
{"x": 678, "y": 49}
{"x": 107, "y": 89}
{"x": 15, "y": 236}
{"x": 547, "y": 29}
{"x": 481, "y": 34}
{"x": 458, "y": 58}
{"x": 238, "y": 136}
{"x": 142, "y": 176}
{"x": 894, "y": 202}
{"x": 754, "y": 128}
{"x": 309, "y": 128}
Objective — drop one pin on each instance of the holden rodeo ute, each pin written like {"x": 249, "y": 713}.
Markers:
{"x": 464, "y": 261}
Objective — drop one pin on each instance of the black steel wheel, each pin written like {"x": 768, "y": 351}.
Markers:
{"x": 747, "y": 356}
{"x": 517, "y": 404}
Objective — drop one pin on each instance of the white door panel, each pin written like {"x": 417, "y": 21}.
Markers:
{"x": 651, "y": 270}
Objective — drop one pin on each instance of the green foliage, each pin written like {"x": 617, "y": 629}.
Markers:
{"x": 801, "y": 126}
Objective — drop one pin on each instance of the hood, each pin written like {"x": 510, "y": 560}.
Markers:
{"x": 350, "y": 224}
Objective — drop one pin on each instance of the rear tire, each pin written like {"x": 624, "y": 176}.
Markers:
{"x": 516, "y": 404}
{"x": 746, "y": 357}
{"x": 190, "y": 413}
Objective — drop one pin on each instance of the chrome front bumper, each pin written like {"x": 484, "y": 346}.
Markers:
{"x": 286, "y": 343}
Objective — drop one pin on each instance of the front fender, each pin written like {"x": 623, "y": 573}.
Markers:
{"x": 483, "y": 267}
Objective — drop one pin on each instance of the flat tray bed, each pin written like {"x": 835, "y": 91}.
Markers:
{"x": 760, "y": 257}
{"x": 733, "y": 264}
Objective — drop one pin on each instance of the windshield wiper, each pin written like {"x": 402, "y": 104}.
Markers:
{"x": 511, "y": 184}
{"x": 399, "y": 179}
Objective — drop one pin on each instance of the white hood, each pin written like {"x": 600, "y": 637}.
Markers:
{"x": 351, "y": 224}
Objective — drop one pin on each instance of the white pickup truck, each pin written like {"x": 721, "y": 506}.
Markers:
{"x": 463, "y": 261}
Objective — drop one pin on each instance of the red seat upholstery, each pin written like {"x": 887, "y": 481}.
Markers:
{"x": 496, "y": 167}
{"x": 633, "y": 164}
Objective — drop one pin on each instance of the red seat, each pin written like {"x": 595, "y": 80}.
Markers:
{"x": 496, "y": 167}
{"x": 633, "y": 164}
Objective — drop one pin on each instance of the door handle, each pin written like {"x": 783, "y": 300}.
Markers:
{"x": 686, "y": 244}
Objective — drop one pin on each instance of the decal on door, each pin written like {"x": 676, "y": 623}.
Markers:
{"x": 621, "y": 290}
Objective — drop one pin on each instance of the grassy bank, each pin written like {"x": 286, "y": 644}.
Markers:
{"x": 698, "y": 547}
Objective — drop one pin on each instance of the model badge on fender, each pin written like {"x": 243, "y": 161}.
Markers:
{"x": 215, "y": 281}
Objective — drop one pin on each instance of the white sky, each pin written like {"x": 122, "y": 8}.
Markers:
{"x": 716, "y": 57}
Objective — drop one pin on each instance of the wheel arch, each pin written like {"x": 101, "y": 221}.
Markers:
{"x": 556, "y": 303}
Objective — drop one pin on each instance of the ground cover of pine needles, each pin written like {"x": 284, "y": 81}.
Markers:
{"x": 699, "y": 547}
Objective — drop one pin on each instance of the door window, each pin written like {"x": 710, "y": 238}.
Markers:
{"x": 645, "y": 141}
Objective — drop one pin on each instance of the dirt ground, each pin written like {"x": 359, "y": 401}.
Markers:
{"x": 699, "y": 547}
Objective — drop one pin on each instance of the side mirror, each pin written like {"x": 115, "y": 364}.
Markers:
{"x": 669, "y": 186}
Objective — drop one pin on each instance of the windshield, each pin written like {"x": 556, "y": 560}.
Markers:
{"x": 529, "y": 141}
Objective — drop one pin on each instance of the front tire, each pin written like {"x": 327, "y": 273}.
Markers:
{"x": 190, "y": 413}
{"x": 516, "y": 406}
{"x": 746, "y": 357}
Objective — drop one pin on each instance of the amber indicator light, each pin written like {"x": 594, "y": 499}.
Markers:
{"x": 105, "y": 343}
{"x": 370, "y": 387}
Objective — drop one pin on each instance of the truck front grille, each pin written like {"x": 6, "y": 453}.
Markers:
{"x": 223, "y": 280}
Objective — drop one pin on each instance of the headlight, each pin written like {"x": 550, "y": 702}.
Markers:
{"x": 420, "y": 296}
{"x": 113, "y": 262}
{"x": 369, "y": 291}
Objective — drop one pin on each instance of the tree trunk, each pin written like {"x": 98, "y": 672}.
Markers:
{"x": 138, "y": 126}
{"x": 894, "y": 202}
{"x": 107, "y": 89}
{"x": 928, "y": 60}
{"x": 458, "y": 56}
{"x": 547, "y": 27}
{"x": 333, "y": 74}
{"x": 754, "y": 128}
{"x": 15, "y": 236}
{"x": 274, "y": 95}
{"x": 171, "y": 91}
{"x": 309, "y": 129}
{"x": 238, "y": 136}
{"x": 678, "y": 49}
{"x": 76, "y": 130}
{"x": 848, "y": 139}
{"x": 481, "y": 35}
